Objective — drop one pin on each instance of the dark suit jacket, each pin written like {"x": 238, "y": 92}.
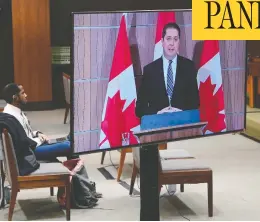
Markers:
{"x": 23, "y": 145}
{"x": 152, "y": 94}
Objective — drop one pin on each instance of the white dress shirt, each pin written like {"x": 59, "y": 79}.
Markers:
{"x": 21, "y": 117}
{"x": 165, "y": 69}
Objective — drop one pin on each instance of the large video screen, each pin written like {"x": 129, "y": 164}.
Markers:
{"x": 141, "y": 71}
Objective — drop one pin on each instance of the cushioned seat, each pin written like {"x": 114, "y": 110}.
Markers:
{"x": 174, "y": 153}
{"x": 182, "y": 164}
{"x": 50, "y": 169}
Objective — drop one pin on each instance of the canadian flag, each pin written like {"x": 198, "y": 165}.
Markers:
{"x": 162, "y": 19}
{"x": 212, "y": 108}
{"x": 118, "y": 115}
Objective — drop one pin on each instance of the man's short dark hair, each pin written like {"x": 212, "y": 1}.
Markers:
{"x": 171, "y": 25}
{"x": 9, "y": 91}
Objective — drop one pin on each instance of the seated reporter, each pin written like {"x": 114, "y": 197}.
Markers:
{"x": 16, "y": 99}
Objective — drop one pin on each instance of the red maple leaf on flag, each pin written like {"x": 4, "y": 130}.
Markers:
{"x": 118, "y": 121}
{"x": 211, "y": 105}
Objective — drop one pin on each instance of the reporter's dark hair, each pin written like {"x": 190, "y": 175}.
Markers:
{"x": 9, "y": 91}
{"x": 172, "y": 25}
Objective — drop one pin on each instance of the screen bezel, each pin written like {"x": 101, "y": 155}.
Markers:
{"x": 149, "y": 143}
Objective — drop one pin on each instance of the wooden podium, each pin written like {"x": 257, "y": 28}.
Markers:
{"x": 149, "y": 163}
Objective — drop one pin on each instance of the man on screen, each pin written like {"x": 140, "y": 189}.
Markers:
{"x": 169, "y": 84}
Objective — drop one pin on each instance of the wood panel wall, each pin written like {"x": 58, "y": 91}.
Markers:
{"x": 94, "y": 42}
{"x": 32, "y": 49}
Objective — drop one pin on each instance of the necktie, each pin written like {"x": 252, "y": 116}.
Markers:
{"x": 170, "y": 80}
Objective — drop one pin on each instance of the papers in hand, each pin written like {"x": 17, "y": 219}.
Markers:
{"x": 169, "y": 109}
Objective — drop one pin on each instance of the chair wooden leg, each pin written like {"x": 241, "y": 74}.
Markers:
{"x": 210, "y": 197}
{"x": 162, "y": 146}
{"x": 121, "y": 164}
{"x": 103, "y": 157}
{"x": 12, "y": 203}
{"x": 182, "y": 187}
{"x": 68, "y": 190}
{"x": 3, "y": 180}
{"x": 134, "y": 174}
{"x": 66, "y": 113}
{"x": 52, "y": 191}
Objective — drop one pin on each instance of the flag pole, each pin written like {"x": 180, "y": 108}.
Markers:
{"x": 125, "y": 14}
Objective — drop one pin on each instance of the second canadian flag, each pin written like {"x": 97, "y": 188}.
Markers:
{"x": 211, "y": 88}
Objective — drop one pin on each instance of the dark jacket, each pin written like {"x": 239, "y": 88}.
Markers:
{"x": 23, "y": 145}
{"x": 152, "y": 95}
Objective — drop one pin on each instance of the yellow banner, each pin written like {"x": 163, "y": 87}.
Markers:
{"x": 225, "y": 20}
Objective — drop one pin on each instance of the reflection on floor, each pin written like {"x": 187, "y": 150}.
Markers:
{"x": 253, "y": 123}
{"x": 233, "y": 158}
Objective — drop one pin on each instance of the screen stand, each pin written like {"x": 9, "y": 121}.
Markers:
{"x": 149, "y": 190}
{"x": 149, "y": 163}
